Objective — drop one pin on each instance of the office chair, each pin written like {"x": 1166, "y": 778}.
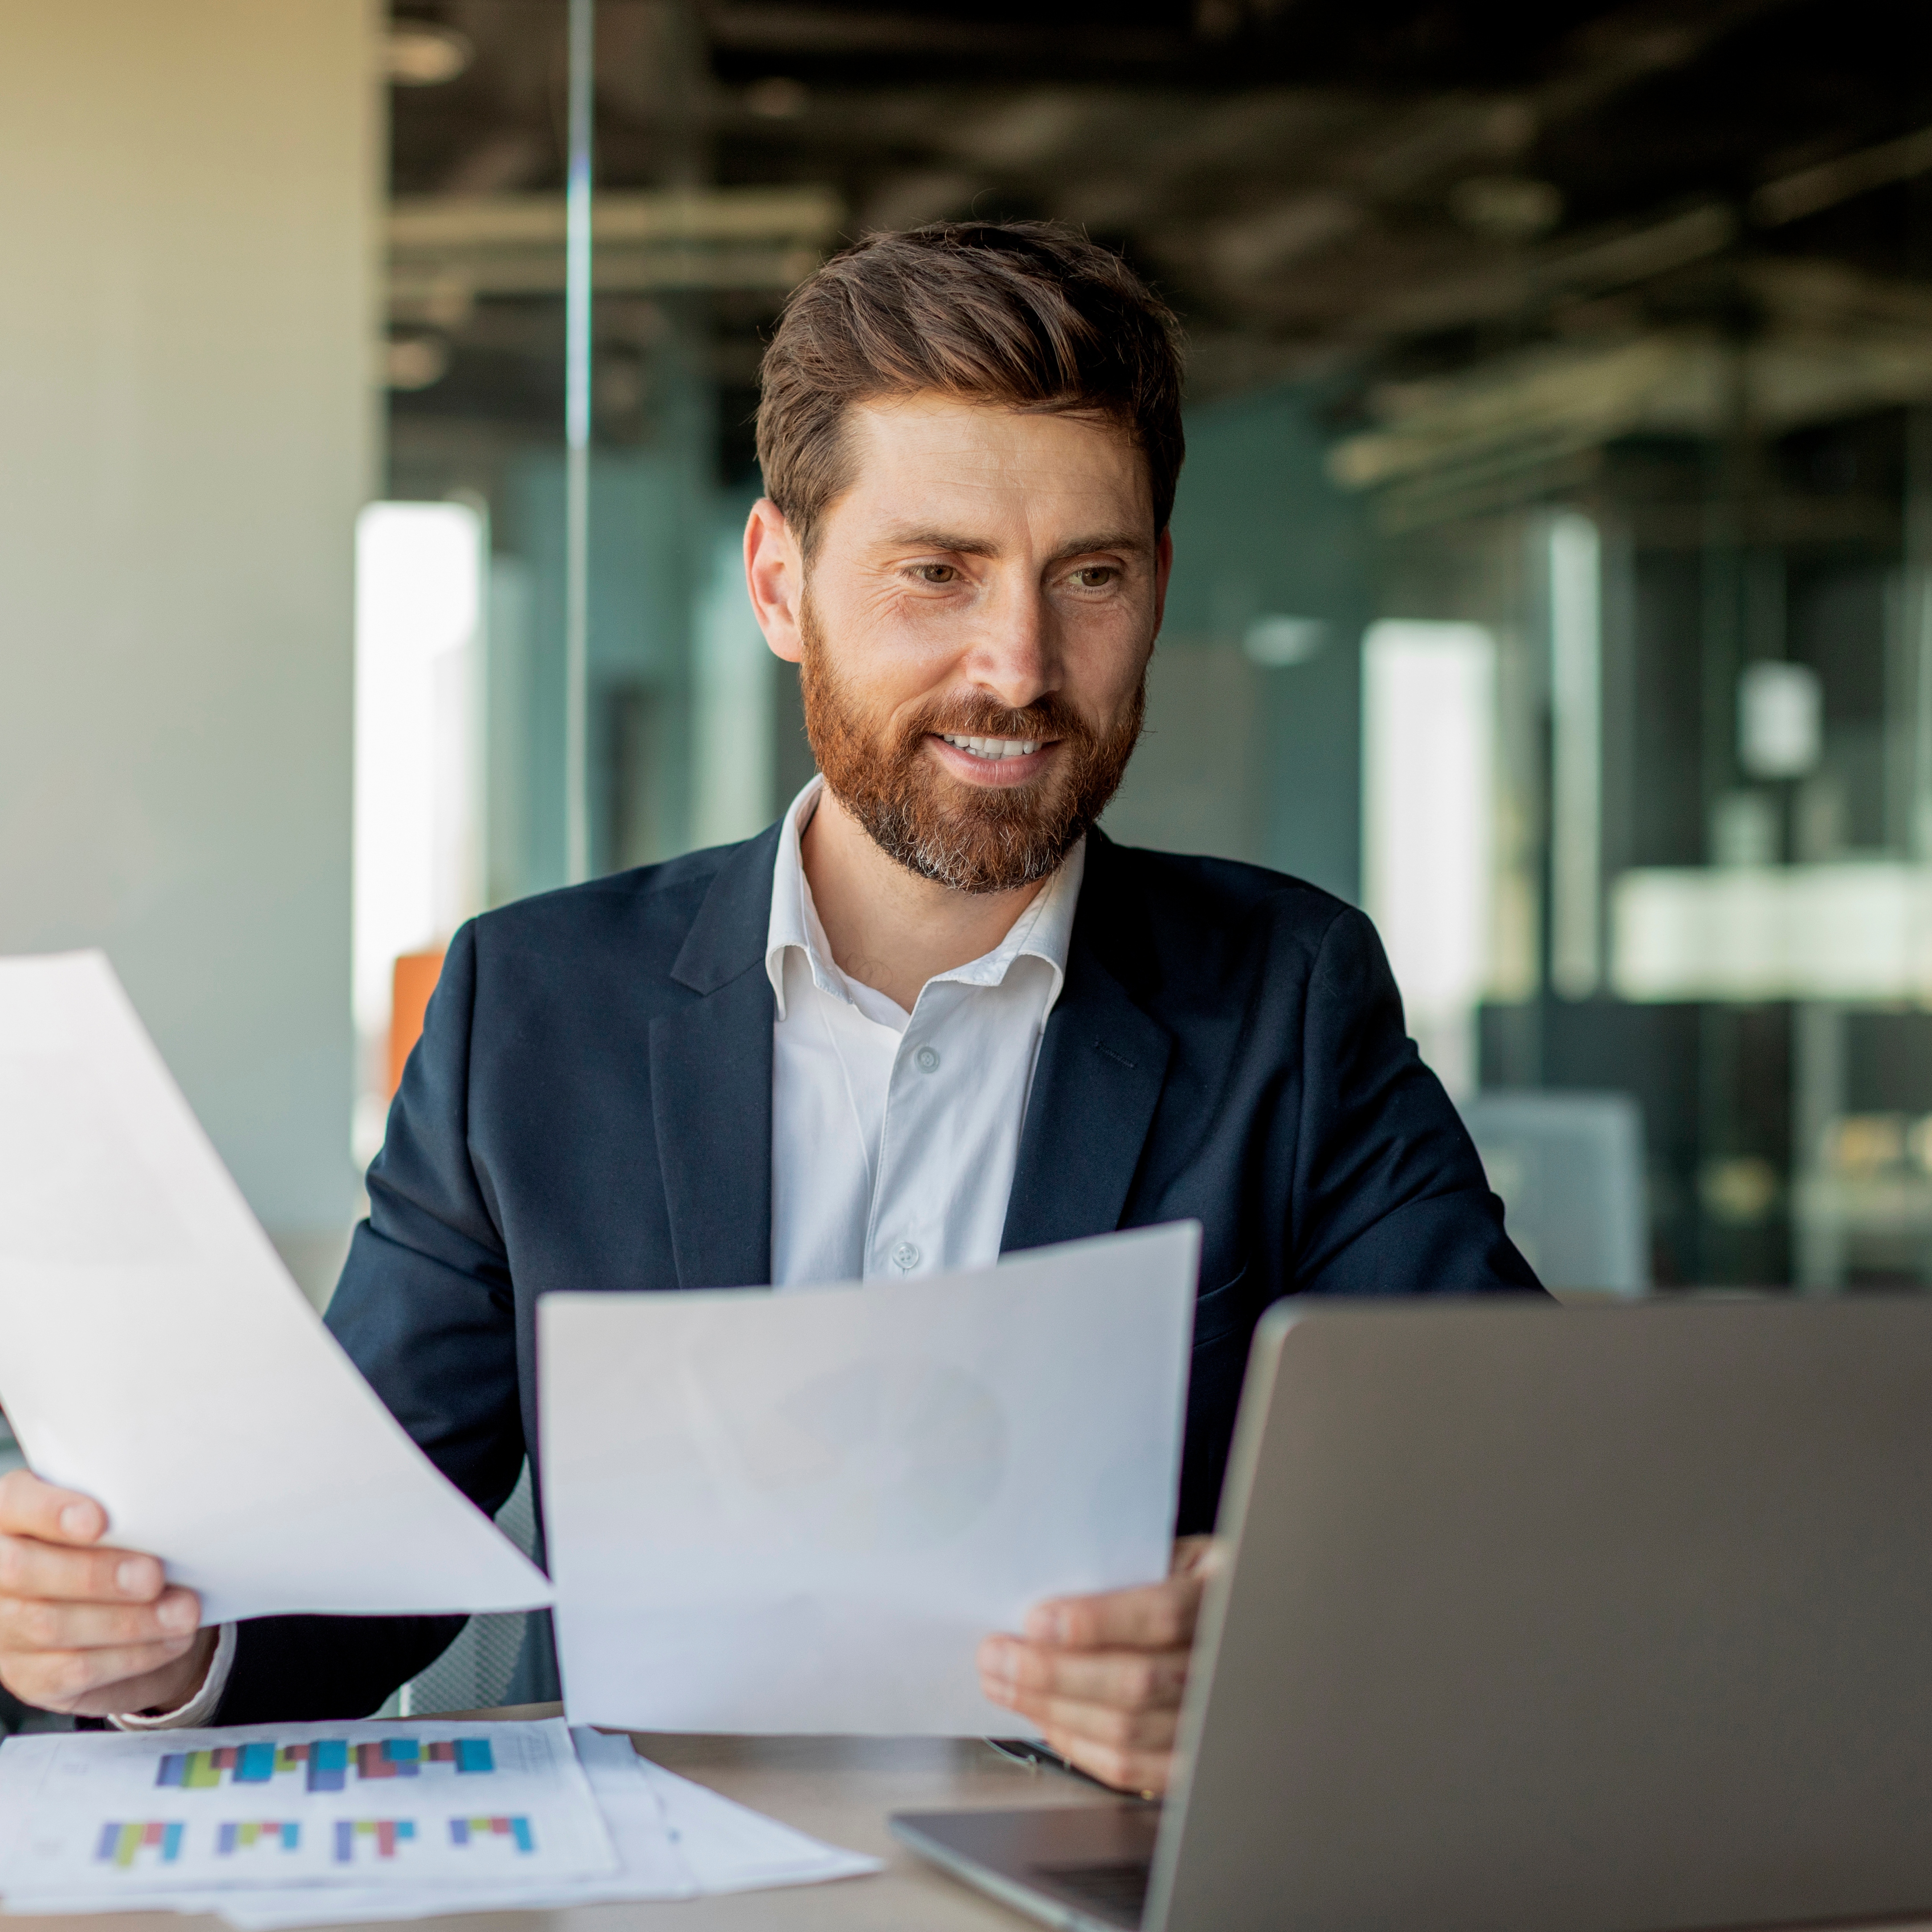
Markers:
{"x": 1570, "y": 1169}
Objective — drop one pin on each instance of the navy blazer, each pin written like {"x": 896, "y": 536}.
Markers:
{"x": 590, "y": 1107}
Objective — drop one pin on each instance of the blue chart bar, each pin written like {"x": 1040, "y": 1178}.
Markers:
{"x": 473, "y": 1754}
{"x": 328, "y": 1764}
{"x": 255, "y": 1764}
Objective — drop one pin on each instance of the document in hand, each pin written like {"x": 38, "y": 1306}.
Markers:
{"x": 154, "y": 1354}
{"x": 771, "y": 1513}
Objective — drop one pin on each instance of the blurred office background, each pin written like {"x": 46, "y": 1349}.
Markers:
{"x": 1554, "y": 553}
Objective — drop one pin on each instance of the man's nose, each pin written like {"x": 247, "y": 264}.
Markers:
{"x": 1015, "y": 659}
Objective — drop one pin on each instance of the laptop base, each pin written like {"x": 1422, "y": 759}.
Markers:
{"x": 1084, "y": 1868}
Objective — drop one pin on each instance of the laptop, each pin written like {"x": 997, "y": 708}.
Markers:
{"x": 1540, "y": 1620}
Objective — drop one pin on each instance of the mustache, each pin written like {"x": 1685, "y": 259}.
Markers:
{"x": 1049, "y": 716}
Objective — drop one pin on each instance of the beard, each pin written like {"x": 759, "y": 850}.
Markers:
{"x": 973, "y": 839}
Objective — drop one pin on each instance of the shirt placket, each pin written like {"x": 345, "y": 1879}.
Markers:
{"x": 905, "y": 1235}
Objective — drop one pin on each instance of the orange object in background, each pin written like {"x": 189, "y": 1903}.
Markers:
{"x": 415, "y": 977}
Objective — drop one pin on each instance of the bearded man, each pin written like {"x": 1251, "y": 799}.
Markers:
{"x": 933, "y": 1016}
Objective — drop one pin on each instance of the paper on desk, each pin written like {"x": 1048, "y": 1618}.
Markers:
{"x": 673, "y": 1839}
{"x": 801, "y": 1513}
{"x": 435, "y": 1804}
{"x": 154, "y": 1353}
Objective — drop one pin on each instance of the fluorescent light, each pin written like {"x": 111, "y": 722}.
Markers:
{"x": 1780, "y": 719}
{"x": 1858, "y": 931}
{"x": 1276, "y": 641}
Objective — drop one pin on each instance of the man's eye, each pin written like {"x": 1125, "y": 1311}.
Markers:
{"x": 935, "y": 573}
{"x": 1094, "y": 577}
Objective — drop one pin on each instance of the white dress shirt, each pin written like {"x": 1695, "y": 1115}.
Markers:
{"x": 894, "y": 1135}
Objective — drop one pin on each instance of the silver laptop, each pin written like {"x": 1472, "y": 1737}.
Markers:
{"x": 1541, "y": 1620}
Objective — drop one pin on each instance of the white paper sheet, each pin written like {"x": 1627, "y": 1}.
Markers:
{"x": 154, "y": 1354}
{"x": 672, "y": 1839}
{"x": 436, "y": 1803}
{"x": 801, "y": 1513}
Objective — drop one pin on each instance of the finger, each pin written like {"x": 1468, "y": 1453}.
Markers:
{"x": 29, "y": 1567}
{"x": 63, "y": 1680}
{"x": 1100, "y": 1723}
{"x": 30, "y": 1623}
{"x": 1145, "y": 1771}
{"x": 30, "y": 1507}
{"x": 1151, "y": 1616}
{"x": 1131, "y": 1678}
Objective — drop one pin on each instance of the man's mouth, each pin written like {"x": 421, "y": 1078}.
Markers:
{"x": 994, "y": 749}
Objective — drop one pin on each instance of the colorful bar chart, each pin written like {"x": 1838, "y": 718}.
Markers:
{"x": 231, "y": 1837}
{"x": 385, "y": 1834}
{"x": 121, "y": 1844}
{"x": 468, "y": 1831}
{"x": 325, "y": 1762}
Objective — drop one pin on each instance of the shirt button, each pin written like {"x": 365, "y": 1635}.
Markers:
{"x": 927, "y": 1059}
{"x": 905, "y": 1257}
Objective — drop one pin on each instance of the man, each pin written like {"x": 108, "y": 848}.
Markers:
{"x": 932, "y": 1016}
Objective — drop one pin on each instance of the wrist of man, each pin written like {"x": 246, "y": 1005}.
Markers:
{"x": 197, "y": 1708}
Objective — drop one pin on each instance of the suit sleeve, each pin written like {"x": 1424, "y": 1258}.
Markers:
{"x": 1390, "y": 1196}
{"x": 424, "y": 1309}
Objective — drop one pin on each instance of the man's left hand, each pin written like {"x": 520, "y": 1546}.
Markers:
{"x": 1102, "y": 1676}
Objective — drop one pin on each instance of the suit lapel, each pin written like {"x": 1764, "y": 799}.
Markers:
{"x": 711, "y": 1083}
{"x": 1098, "y": 1081}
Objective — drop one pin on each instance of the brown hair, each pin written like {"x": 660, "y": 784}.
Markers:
{"x": 1027, "y": 314}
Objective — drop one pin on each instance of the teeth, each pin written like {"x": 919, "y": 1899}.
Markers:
{"x": 995, "y": 748}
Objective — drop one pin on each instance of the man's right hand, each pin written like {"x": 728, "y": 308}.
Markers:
{"x": 92, "y": 1632}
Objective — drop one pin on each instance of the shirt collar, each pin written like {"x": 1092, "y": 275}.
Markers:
{"x": 1043, "y": 932}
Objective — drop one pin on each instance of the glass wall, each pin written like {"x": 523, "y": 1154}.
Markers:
{"x": 1552, "y": 553}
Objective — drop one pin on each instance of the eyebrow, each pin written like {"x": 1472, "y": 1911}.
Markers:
{"x": 966, "y": 546}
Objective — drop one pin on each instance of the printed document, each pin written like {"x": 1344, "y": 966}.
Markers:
{"x": 802, "y": 1512}
{"x": 111, "y": 1824}
{"x": 438, "y": 1803}
{"x": 154, "y": 1353}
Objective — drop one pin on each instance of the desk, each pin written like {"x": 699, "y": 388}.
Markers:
{"x": 837, "y": 1789}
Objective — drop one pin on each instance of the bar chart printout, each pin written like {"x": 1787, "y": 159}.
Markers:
{"x": 325, "y": 1764}
{"x": 121, "y": 1845}
{"x": 233, "y": 1836}
{"x": 513, "y": 1831}
{"x": 377, "y": 1836}
{"x": 426, "y": 1802}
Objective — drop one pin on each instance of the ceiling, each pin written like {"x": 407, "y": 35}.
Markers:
{"x": 1399, "y": 196}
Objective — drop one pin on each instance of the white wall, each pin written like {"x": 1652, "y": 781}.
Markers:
{"x": 188, "y": 201}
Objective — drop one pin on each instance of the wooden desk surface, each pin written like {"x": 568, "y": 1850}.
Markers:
{"x": 837, "y": 1789}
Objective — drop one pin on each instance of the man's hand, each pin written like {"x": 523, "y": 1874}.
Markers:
{"x": 1102, "y": 1676}
{"x": 93, "y": 1632}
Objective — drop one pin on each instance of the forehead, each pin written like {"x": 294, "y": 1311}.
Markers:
{"x": 938, "y": 454}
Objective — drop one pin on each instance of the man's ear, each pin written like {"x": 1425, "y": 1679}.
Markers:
{"x": 774, "y": 576}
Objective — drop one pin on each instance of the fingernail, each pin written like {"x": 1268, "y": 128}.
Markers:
{"x": 77, "y": 1519}
{"x": 135, "y": 1577}
{"x": 998, "y": 1662}
{"x": 1046, "y": 1626}
{"x": 176, "y": 1613}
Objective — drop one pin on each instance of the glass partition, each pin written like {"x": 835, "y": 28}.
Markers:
{"x": 1552, "y": 553}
